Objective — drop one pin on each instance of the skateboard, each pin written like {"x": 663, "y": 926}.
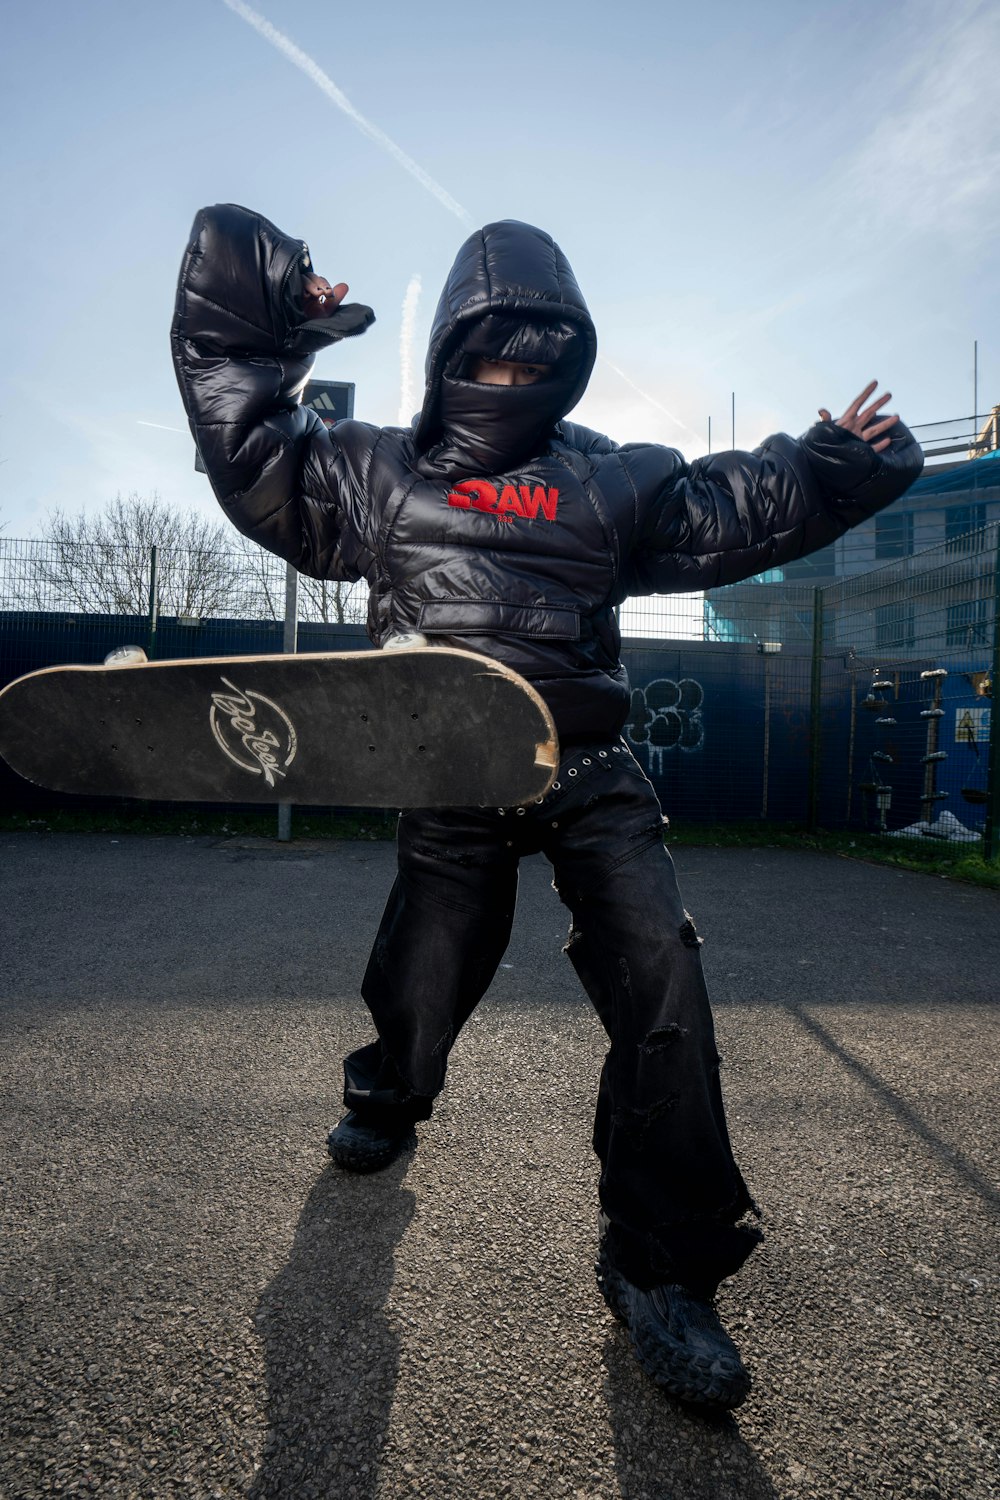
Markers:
{"x": 412, "y": 727}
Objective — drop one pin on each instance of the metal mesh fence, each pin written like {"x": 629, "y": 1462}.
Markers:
{"x": 241, "y": 583}
{"x": 907, "y": 663}
{"x": 720, "y": 700}
{"x": 863, "y": 704}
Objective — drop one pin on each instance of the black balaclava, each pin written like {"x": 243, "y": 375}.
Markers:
{"x": 488, "y": 429}
{"x": 510, "y": 295}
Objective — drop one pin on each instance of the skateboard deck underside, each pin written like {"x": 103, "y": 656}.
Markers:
{"x": 410, "y": 728}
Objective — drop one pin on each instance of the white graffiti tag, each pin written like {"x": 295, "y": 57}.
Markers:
{"x": 664, "y": 716}
{"x": 235, "y": 720}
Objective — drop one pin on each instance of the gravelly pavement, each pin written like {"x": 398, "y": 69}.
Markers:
{"x": 195, "y": 1302}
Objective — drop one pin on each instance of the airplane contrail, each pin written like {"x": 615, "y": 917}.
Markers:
{"x": 315, "y": 73}
{"x": 326, "y": 85}
{"x": 646, "y": 396}
{"x": 140, "y": 423}
{"x": 407, "y": 399}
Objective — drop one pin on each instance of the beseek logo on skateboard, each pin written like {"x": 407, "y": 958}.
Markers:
{"x": 253, "y": 732}
{"x": 523, "y": 500}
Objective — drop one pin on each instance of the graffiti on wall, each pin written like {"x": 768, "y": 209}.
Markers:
{"x": 666, "y": 716}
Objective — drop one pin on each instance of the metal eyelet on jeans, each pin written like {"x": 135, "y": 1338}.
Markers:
{"x": 539, "y": 800}
{"x": 555, "y": 786}
{"x": 616, "y": 749}
{"x": 573, "y": 772}
{"x": 586, "y": 761}
{"x": 520, "y": 812}
{"x": 555, "y": 824}
{"x": 502, "y": 811}
{"x": 603, "y": 754}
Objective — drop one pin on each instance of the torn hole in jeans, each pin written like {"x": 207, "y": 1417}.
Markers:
{"x": 636, "y": 1122}
{"x": 688, "y": 933}
{"x": 662, "y": 1037}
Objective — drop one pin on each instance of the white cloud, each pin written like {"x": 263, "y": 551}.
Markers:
{"x": 929, "y": 165}
{"x": 407, "y": 338}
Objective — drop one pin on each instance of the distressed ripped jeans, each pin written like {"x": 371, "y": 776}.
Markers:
{"x": 670, "y": 1188}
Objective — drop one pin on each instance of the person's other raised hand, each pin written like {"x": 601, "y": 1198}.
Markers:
{"x": 859, "y": 418}
{"x": 319, "y": 298}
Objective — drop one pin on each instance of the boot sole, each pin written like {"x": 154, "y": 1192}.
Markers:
{"x": 355, "y": 1158}
{"x": 671, "y": 1369}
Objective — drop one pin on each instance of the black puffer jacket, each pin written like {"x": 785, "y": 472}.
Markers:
{"x": 525, "y": 560}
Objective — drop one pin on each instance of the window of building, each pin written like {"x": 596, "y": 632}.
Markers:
{"x": 959, "y": 521}
{"x": 969, "y": 623}
{"x": 894, "y": 628}
{"x": 894, "y": 534}
{"x": 818, "y": 565}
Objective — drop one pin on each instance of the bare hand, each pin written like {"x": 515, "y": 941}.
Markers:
{"x": 319, "y": 298}
{"x": 860, "y": 422}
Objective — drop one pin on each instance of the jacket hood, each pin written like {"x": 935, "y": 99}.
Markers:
{"x": 511, "y": 294}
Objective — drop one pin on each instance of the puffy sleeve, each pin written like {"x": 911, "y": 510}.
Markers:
{"x": 242, "y": 354}
{"x": 724, "y": 518}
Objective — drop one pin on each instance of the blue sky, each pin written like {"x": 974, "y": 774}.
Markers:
{"x": 783, "y": 200}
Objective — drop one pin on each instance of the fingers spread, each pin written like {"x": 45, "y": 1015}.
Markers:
{"x": 877, "y": 428}
{"x": 870, "y": 411}
{"x": 860, "y": 400}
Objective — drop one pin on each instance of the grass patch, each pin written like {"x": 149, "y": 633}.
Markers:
{"x": 306, "y": 824}
{"x": 928, "y": 856}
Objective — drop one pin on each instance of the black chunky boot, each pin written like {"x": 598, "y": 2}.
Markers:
{"x": 677, "y": 1339}
{"x": 361, "y": 1146}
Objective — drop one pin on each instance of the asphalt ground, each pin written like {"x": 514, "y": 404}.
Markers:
{"x": 196, "y": 1302}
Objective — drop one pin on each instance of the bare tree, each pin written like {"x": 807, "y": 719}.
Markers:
{"x": 262, "y": 580}
{"x": 100, "y": 563}
{"x": 331, "y": 601}
{"x": 320, "y": 599}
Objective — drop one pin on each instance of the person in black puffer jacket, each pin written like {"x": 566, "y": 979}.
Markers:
{"x": 495, "y": 525}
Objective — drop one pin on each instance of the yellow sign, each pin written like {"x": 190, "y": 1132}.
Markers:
{"x": 972, "y": 726}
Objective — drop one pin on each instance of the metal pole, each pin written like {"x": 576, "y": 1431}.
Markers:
{"x": 154, "y": 602}
{"x": 815, "y": 711}
{"x": 975, "y": 388}
{"x": 289, "y": 647}
{"x": 767, "y": 735}
{"x": 850, "y": 743}
{"x": 991, "y": 831}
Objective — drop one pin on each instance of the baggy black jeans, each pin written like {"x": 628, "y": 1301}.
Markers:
{"x": 669, "y": 1186}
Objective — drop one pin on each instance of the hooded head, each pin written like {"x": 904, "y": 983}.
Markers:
{"x": 511, "y": 296}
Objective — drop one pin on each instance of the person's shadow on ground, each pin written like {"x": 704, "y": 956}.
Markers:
{"x": 664, "y": 1449}
{"x": 331, "y": 1359}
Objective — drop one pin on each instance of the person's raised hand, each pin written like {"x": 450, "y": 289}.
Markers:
{"x": 319, "y": 298}
{"x": 859, "y": 418}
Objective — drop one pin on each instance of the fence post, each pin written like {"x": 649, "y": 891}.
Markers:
{"x": 289, "y": 646}
{"x": 991, "y": 830}
{"x": 154, "y": 601}
{"x": 815, "y": 711}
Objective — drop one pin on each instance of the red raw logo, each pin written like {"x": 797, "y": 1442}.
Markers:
{"x": 523, "y": 500}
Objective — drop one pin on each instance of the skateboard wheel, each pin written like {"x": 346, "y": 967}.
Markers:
{"x": 407, "y": 640}
{"x": 125, "y": 656}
